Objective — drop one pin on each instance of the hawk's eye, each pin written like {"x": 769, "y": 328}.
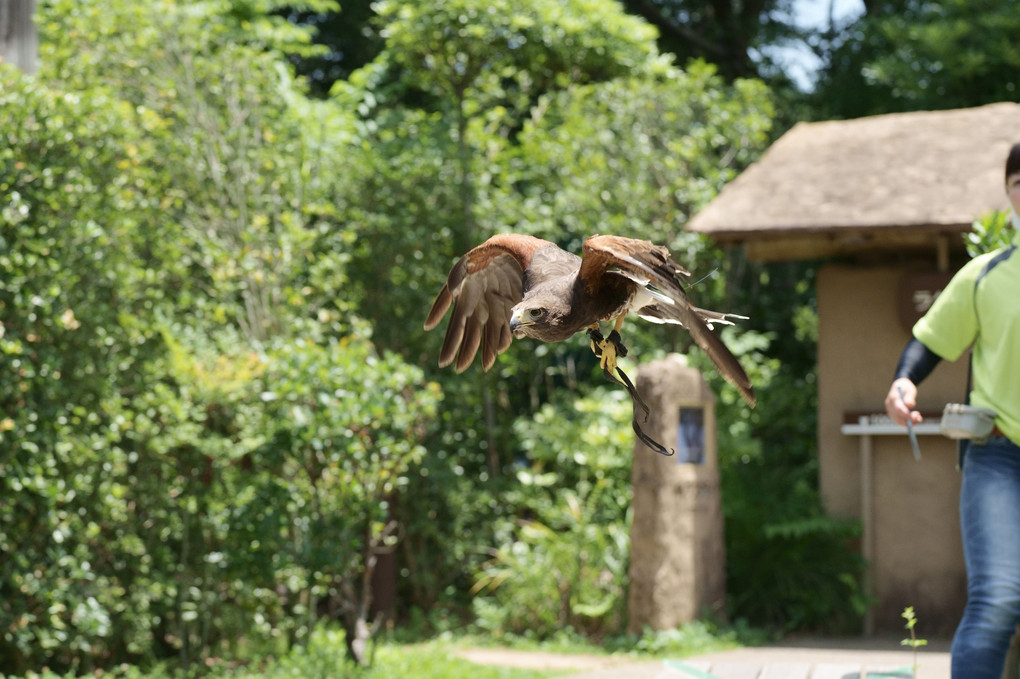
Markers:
{"x": 535, "y": 313}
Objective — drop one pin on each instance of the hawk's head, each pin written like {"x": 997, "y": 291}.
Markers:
{"x": 541, "y": 317}
{"x": 524, "y": 318}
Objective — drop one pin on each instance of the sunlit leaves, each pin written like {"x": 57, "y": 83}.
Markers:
{"x": 919, "y": 55}
{"x": 990, "y": 231}
{"x": 637, "y": 156}
{"x": 168, "y": 232}
{"x": 465, "y": 49}
{"x": 567, "y": 561}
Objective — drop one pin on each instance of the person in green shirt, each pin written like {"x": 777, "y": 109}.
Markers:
{"x": 980, "y": 308}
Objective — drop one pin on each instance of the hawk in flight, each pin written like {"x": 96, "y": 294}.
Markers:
{"x": 522, "y": 286}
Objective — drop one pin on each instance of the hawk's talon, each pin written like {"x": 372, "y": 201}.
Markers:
{"x": 607, "y": 350}
{"x": 598, "y": 344}
{"x": 617, "y": 342}
{"x": 607, "y": 359}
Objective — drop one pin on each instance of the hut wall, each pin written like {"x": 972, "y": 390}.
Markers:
{"x": 916, "y": 557}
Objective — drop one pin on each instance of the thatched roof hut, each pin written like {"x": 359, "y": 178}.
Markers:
{"x": 889, "y": 195}
{"x": 889, "y": 182}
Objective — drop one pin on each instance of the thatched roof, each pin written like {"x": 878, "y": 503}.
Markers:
{"x": 884, "y": 182}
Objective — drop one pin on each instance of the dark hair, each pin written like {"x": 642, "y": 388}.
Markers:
{"x": 1013, "y": 161}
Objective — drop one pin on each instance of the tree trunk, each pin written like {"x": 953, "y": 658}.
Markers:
{"x": 359, "y": 604}
{"x": 19, "y": 43}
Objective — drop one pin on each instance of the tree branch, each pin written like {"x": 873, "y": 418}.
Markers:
{"x": 653, "y": 13}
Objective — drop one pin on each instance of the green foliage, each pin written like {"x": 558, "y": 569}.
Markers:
{"x": 657, "y": 146}
{"x": 740, "y": 38}
{"x": 913, "y": 642}
{"x": 346, "y": 427}
{"x": 789, "y": 565}
{"x": 237, "y": 168}
{"x": 992, "y": 231}
{"x": 204, "y": 449}
{"x": 915, "y": 55}
{"x": 323, "y": 658}
{"x": 957, "y": 53}
{"x": 72, "y": 295}
{"x": 565, "y": 565}
{"x": 183, "y": 419}
{"x": 467, "y": 52}
{"x": 547, "y": 580}
{"x": 580, "y": 444}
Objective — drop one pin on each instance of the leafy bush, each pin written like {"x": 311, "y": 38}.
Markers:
{"x": 991, "y": 231}
{"x": 551, "y": 579}
{"x": 563, "y": 562}
{"x": 73, "y": 296}
{"x": 348, "y": 430}
{"x": 172, "y": 450}
{"x": 789, "y": 565}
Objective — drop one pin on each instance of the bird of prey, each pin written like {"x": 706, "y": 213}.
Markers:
{"x": 521, "y": 286}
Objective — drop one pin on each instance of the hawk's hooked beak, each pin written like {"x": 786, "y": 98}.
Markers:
{"x": 516, "y": 323}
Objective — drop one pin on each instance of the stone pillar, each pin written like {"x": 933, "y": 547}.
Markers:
{"x": 677, "y": 553}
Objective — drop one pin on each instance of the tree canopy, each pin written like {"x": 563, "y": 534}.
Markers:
{"x": 906, "y": 55}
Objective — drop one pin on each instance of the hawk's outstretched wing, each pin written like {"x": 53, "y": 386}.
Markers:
{"x": 651, "y": 267}
{"x": 482, "y": 287}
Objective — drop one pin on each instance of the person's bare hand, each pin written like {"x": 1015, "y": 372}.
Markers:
{"x": 900, "y": 406}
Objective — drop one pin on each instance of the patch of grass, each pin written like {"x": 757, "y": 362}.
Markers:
{"x": 690, "y": 639}
{"x": 325, "y": 658}
{"x": 693, "y": 639}
{"x": 436, "y": 661}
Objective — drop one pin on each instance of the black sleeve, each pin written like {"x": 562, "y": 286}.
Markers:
{"x": 916, "y": 362}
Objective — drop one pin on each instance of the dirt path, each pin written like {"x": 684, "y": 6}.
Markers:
{"x": 538, "y": 660}
{"x": 851, "y": 656}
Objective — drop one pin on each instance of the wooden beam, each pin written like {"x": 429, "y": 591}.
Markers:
{"x": 816, "y": 246}
{"x": 942, "y": 253}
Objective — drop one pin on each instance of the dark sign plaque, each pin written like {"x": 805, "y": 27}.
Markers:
{"x": 690, "y": 436}
{"x": 916, "y": 293}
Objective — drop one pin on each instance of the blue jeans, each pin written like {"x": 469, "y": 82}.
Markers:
{"x": 990, "y": 523}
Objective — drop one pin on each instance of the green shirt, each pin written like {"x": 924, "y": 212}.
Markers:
{"x": 988, "y": 317}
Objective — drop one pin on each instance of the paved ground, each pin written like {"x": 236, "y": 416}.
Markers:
{"x": 792, "y": 659}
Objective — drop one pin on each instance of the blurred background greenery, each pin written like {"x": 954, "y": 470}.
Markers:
{"x": 221, "y": 225}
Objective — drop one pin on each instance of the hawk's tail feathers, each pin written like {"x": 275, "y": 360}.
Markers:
{"x": 699, "y": 323}
{"x": 717, "y": 317}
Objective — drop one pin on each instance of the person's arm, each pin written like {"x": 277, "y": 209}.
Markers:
{"x": 916, "y": 363}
